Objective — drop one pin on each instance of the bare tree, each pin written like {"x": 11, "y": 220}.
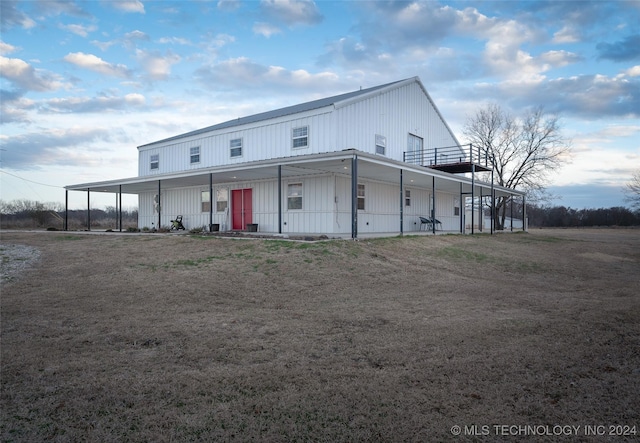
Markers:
{"x": 523, "y": 150}
{"x": 633, "y": 190}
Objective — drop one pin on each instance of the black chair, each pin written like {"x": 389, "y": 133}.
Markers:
{"x": 429, "y": 223}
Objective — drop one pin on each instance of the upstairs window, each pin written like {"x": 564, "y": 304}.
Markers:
{"x": 294, "y": 196}
{"x": 300, "y": 137}
{"x": 381, "y": 144}
{"x": 155, "y": 161}
{"x": 361, "y": 197}
{"x": 194, "y": 154}
{"x": 235, "y": 148}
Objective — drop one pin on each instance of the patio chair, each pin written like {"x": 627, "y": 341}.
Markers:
{"x": 429, "y": 223}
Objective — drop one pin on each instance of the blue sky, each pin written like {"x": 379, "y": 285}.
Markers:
{"x": 84, "y": 83}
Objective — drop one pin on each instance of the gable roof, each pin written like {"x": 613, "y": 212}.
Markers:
{"x": 295, "y": 109}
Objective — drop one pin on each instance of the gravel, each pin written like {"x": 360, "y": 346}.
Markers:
{"x": 15, "y": 259}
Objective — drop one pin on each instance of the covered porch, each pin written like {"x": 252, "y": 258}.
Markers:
{"x": 351, "y": 167}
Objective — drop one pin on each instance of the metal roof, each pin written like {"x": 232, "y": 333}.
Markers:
{"x": 289, "y": 110}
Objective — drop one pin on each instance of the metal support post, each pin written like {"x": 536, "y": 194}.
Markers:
{"x": 88, "y": 209}
{"x": 401, "y": 204}
{"x": 354, "y": 197}
{"x": 279, "y": 199}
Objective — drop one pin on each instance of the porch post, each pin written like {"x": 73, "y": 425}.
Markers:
{"x": 120, "y": 206}
{"x": 210, "y": 201}
{"x": 159, "y": 206}
{"x": 524, "y": 213}
{"x": 279, "y": 199}
{"x": 511, "y": 215}
{"x": 473, "y": 196}
{"x": 88, "y": 209}
{"x": 493, "y": 205}
{"x": 480, "y": 212}
{"x": 461, "y": 209}
{"x": 66, "y": 209}
{"x": 354, "y": 197}
{"x": 433, "y": 205}
{"x": 401, "y": 204}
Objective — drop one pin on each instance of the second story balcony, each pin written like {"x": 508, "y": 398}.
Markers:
{"x": 452, "y": 159}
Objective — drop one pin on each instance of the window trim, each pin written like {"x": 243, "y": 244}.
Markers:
{"x": 361, "y": 197}
{"x": 217, "y": 191}
{"x": 381, "y": 142}
{"x": 204, "y": 202}
{"x": 154, "y": 162}
{"x": 290, "y": 197}
{"x": 231, "y": 147}
{"x": 193, "y": 155}
{"x": 305, "y": 136}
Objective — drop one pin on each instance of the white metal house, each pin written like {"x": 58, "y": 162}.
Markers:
{"x": 371, "y": 161}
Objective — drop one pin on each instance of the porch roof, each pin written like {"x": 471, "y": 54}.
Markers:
{"x": 370, "y": 166}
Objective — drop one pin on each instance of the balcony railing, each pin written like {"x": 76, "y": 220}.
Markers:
{"x": 450, "y": 158}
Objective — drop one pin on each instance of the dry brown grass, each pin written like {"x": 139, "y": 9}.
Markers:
{"x": 182, "y": 338}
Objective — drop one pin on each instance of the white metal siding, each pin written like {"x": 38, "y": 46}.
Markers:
{"x": 393, "y": 114}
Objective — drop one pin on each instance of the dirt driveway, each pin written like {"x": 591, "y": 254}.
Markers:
{"x": 513, "y": 337}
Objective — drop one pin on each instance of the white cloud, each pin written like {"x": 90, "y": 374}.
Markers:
{"x": 292, "y": 12}
{"x": 80, "y": 30}
{"x": 633, "y": 71}
{"x": 566, "y": 35}
{"x": 157, "y": 66}
{"x": 27, "y": 77}
{"x": 96, "y": 64}
{"x": 11, "y": 16}
{"x": 128, "y": 5}
{"x": 266, "y": 29}
{"x": 6, "y": 48}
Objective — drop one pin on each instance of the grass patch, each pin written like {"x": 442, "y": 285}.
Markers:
{"x": 68, "y": 237}
{"x": 459, "y": 254}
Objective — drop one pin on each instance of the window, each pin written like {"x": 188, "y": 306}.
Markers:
{"x": 361, "y": 197}
{"x": 294, "y": 196}
{"x": 222, "y": 199}
{"x": 414, "y": 150}
{"x": 155, "y": 161}
{"x": 205, "y": 201}
{"x": 381, "y": 144}
{"x": 456, "y": 206}
{"x": 300, "y": 137}
{"x": 235, "y": 146}
{"x": 407, "y": 197}
{"x": 195, "y": 154}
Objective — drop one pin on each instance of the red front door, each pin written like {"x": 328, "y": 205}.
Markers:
{"x": 240, "y": 208}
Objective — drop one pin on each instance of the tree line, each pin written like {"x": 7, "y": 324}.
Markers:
{"x": 28, "y": 214}
{"x": 563, "y": 217}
